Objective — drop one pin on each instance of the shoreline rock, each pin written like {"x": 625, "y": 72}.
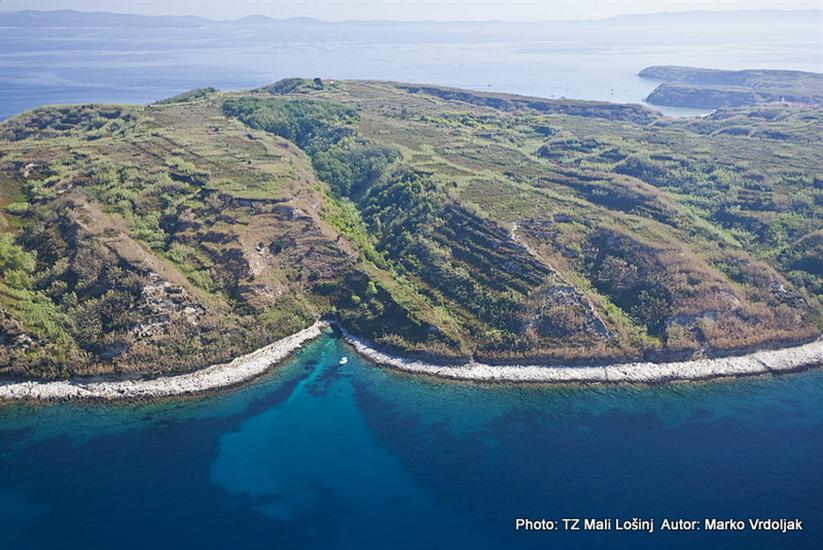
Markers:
{"x": 247, "y": 367}
{"x": 777, "y": 361}
{"x": 241, "y": 369}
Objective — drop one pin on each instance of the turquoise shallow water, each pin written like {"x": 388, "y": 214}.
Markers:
{"x": 323, "y": 455}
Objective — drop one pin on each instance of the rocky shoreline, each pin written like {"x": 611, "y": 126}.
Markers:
{"x": 777, "y": 361}
{"x": 240, "y": 370}
{"x": 247, "y": 367}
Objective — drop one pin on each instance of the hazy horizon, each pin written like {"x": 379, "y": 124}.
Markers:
{"x": 387, "y": 10}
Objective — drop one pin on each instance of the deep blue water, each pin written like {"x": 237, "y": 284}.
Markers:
{"x": 322, "y": 455}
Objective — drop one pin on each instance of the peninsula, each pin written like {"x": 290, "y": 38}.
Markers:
{"x": 456, "y": 227}
{"x": 712, "y": 88}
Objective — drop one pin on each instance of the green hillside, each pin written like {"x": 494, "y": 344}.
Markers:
{"x": 430, "y": 220}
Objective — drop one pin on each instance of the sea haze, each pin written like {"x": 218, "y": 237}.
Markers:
{"x": 71, "y": 57}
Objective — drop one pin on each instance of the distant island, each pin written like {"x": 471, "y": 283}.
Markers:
{"x": 436, "y": 223}
{"x": 713, "y": 89}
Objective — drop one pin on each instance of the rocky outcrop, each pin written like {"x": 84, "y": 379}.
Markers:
{"x": 162, "y": 303}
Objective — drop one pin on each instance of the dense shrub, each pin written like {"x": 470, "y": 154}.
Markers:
{"x": 312, "y": 125}
{"x": 351, "y": 166}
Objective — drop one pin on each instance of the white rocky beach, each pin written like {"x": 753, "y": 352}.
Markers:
{"x": 242, "y": 369}
{"x": 777, "y": 361}
{"x": 256, "y": 363}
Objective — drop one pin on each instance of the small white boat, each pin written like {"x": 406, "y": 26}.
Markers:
{"x": 344, "y": 360}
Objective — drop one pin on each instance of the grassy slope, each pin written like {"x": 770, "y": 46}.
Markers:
{"x": 171, "y": 236}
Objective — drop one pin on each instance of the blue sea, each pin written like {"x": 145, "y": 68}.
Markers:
{"x": 46, "y": 60}
{"x": 322, "y": 455}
